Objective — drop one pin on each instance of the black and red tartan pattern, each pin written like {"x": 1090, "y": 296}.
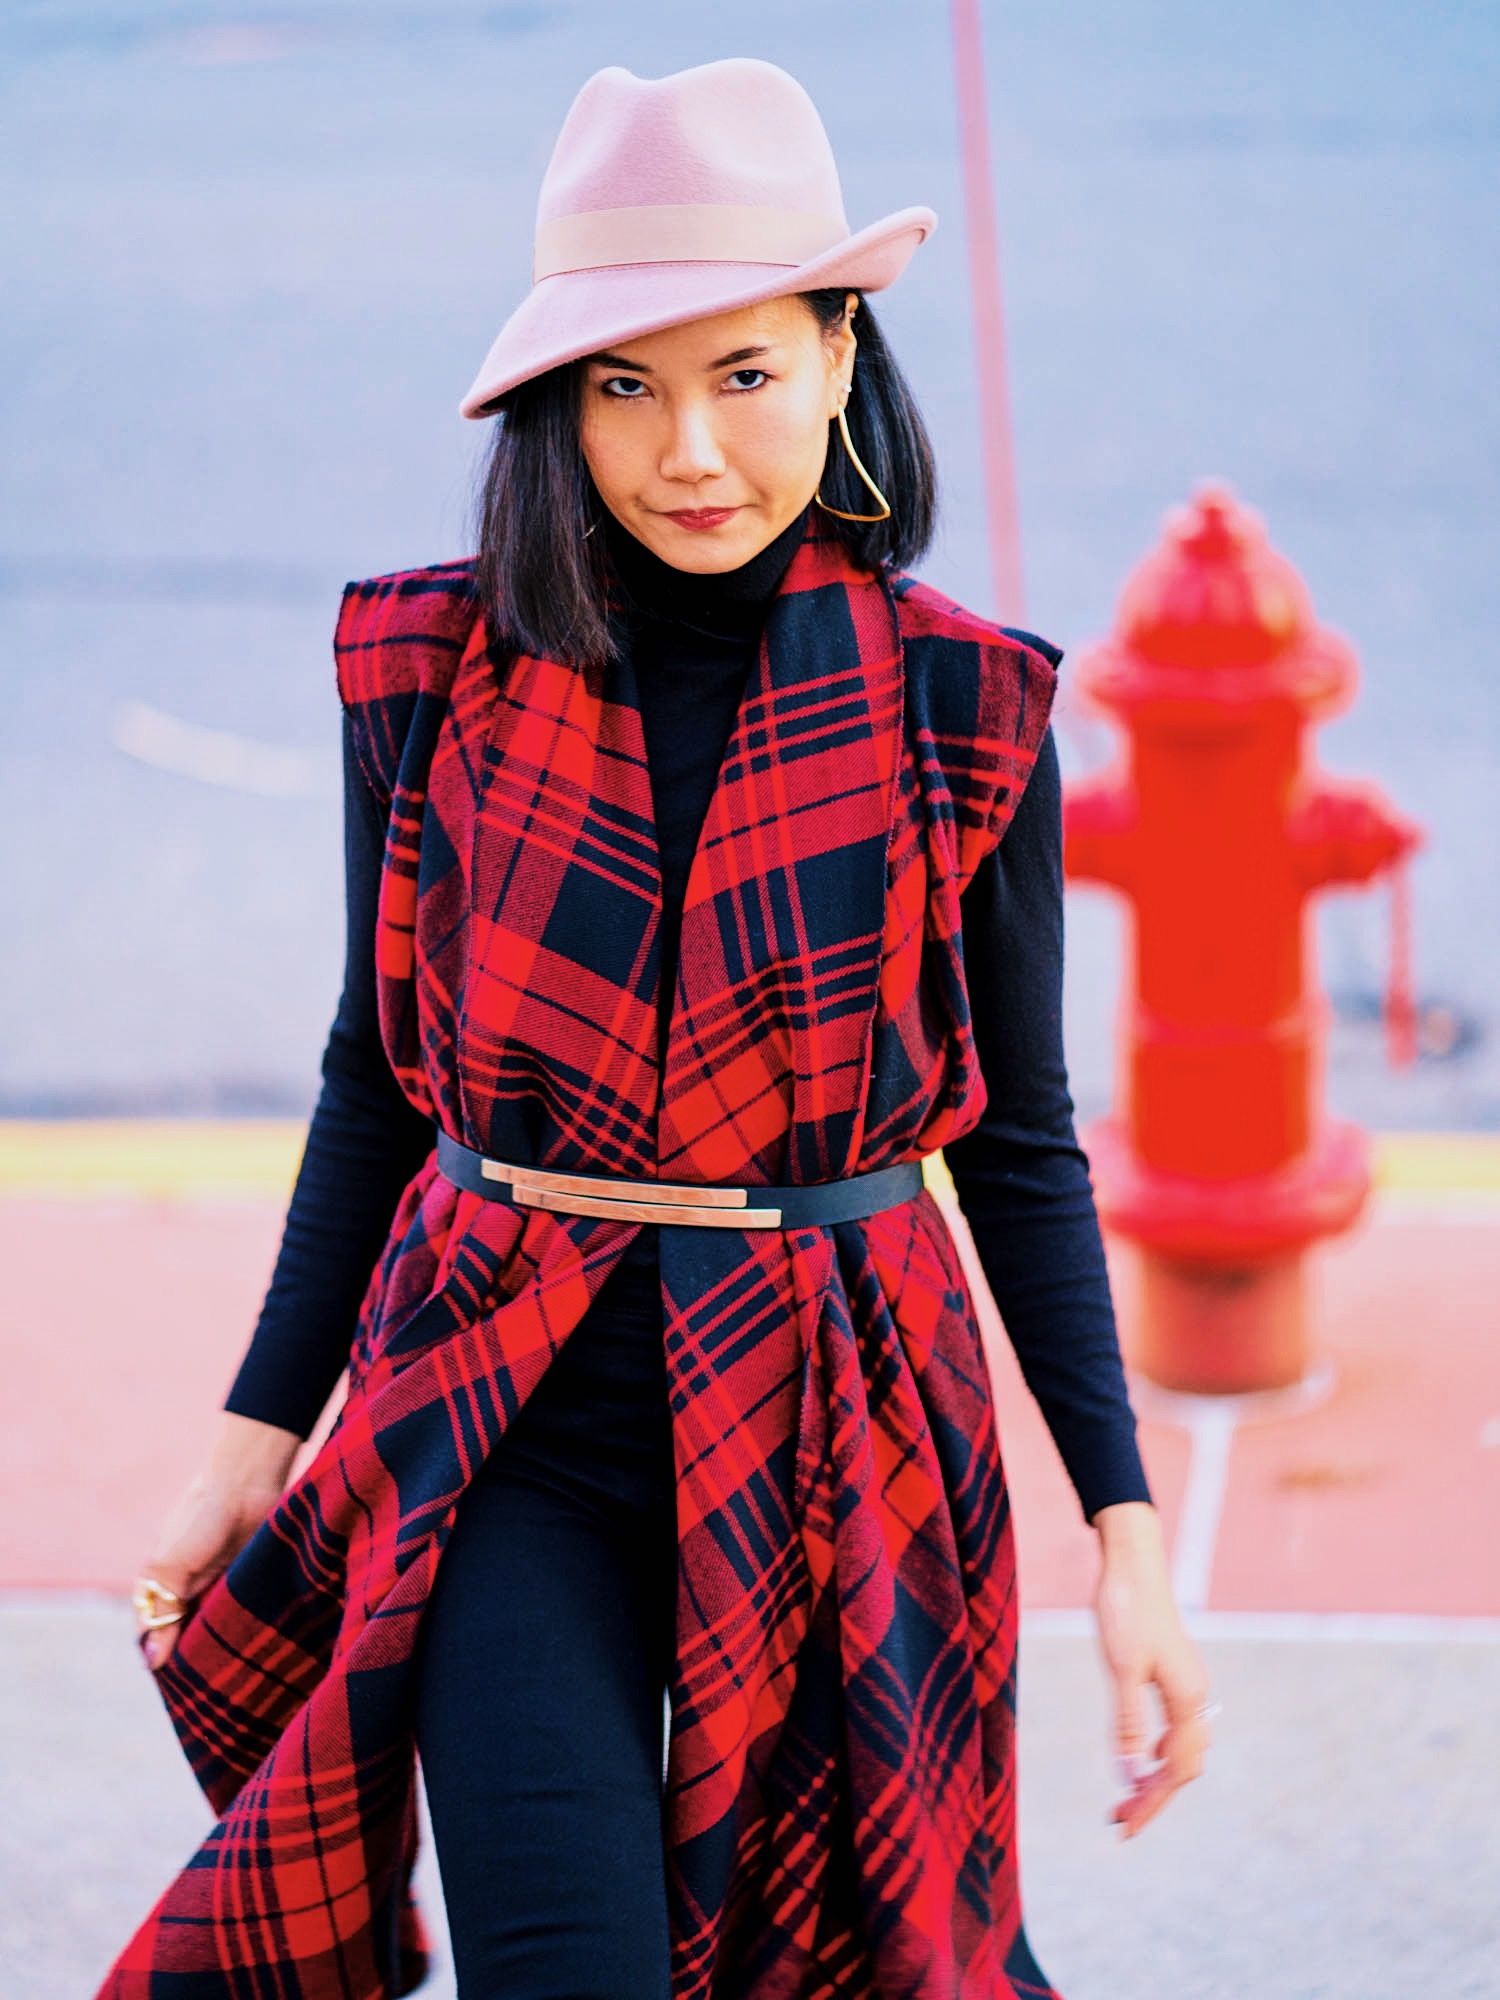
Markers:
{"x": 840, "y": 1804}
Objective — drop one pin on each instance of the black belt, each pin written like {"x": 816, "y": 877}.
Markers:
{"x": 622, "y": 1200}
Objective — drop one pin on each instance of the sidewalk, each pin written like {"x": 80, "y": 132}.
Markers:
{"x": 1340, "y": 1565}
{"x": 1341, "y": 1846}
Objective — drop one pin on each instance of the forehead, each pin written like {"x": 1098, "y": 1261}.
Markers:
{"x": 697, "y": 342}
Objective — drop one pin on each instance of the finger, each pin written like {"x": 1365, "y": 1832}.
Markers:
{"x": 1182, "y": 1751}
{"x": 1179, "y": 1753}
{"x": 1184, "y": 1688}
{"x": 1130, "y": 1726}
{"x": 157, "y": 1647}
{"x": 157, "y": 1642}
{"x": 1147, "y": 1791}
{"x": 1187, "y": 1734}
{"x": 1144, "y": 1803}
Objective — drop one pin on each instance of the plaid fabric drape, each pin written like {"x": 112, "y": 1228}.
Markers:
{"x": 841, "y": 1766}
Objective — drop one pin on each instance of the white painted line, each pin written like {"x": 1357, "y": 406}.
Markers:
{"x": 72, "y": 1597}
{"x": 1211, "y": 1428}
{"x": 1363, "y": 1628}
{"x": 1359, "y": 1628}
{"x": 1287, "y": 1629}
{"x": 247, "y": 42}
{"x": 1460, "y": 1207}
{"x": 1210, "y": 1423}
{"x": 219, "y": 757}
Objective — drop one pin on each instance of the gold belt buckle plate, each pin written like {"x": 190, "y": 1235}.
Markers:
{"x": 632, "y": 1201}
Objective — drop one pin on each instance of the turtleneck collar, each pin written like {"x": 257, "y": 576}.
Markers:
{"x": 724, "y": 603}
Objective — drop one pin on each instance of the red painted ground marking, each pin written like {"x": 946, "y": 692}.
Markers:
{"x": 1384, "y": 1499}
{"x": 1387, "y": 1496}
{"x": 1057, "y": 1550}
{"x": 121, "y": 1325}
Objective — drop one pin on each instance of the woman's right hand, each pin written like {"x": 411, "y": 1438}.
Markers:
{"x": 221, "y": 1507}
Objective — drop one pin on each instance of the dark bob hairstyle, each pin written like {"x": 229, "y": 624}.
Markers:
{"x": 540, "y": 572}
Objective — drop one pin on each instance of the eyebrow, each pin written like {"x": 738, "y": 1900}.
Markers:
{"x": 640, "y": 368}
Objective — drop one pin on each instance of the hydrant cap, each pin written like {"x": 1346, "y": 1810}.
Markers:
{"x": 1215, "y": 593}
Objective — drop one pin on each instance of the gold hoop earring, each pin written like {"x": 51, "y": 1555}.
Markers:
{"x": 885, "y": 505}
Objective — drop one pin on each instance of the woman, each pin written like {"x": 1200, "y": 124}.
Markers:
{"x": 681, "y": 929}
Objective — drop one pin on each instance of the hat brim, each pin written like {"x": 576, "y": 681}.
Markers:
{"x": 578, "y": 312}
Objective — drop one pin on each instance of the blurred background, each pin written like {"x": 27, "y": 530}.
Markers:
{"x": 256, "y": 253}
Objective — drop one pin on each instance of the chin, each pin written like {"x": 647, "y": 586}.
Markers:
{"x": 706, "y": 550}
{"x": 689, "y": 552}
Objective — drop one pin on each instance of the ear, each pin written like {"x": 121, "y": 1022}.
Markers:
{"x": 841, "y": 344}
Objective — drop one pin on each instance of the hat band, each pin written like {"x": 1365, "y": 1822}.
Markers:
{"x": 682, "y": 233}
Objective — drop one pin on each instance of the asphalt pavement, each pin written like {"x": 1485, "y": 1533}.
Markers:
{"x": 256, "y": 255}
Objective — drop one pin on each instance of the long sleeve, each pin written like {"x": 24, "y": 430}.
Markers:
{"x": 1021, "y": 1177}
{"x": 364, "y": 1143}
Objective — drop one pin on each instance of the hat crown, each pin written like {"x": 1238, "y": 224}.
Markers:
{"x": 678, "y": 198}
{"x": 735, "y": 133}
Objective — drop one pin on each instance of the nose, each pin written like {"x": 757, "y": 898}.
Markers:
{"x": 692, "y": 451}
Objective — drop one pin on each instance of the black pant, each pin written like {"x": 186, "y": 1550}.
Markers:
{"x": 542, "y": 1671}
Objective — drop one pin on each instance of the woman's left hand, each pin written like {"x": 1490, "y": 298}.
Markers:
{"x": 1144, "y": 1643}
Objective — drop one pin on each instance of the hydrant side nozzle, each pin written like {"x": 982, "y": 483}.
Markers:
{"x": 1099, "y": 819}
{"x": 1346, "y": 831}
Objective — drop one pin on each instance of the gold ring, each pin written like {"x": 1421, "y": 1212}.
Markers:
{"x": 147, "y": 1598}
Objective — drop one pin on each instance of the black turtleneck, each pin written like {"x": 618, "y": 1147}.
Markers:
{"x": 1020, "y": 1175}
{"x": 692, "y": 640}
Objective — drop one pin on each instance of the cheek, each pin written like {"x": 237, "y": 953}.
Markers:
{"x": 785, "y": 444}
{"x": 612, "y": 456}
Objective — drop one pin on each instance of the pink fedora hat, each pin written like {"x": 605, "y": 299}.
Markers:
{"x": 670, "y": 198}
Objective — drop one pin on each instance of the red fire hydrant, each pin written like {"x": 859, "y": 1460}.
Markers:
{"x": 1217, "y": 825}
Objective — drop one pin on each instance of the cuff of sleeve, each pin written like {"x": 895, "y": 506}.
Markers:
{"x": 1121, "y": 1477}
{"x": 274, "y": 1405}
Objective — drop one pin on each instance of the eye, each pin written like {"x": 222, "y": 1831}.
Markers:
{"x": 738, "y": 378}
{"x": 623, "y": 387}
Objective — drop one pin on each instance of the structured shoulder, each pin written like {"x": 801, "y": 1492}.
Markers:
{"x": 958, "y": 663}
{"x": 978, "y": 699}
{"x": 924, "y": 612}
{"x": 397, "y": 648}
{"x": 398, "y": 634}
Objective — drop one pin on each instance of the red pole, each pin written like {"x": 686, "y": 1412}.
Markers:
{"x": 1400, "y": 997}
{"x": 989, "y": 324}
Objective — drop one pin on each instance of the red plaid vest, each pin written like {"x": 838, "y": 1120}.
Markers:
{"x": 841, "y": 1768}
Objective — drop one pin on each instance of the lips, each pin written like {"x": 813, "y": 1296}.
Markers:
{"x": 703, "y": 517}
